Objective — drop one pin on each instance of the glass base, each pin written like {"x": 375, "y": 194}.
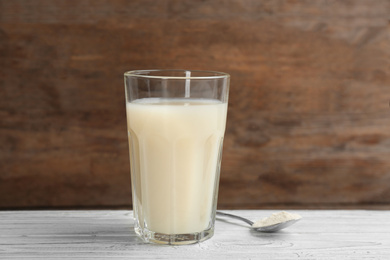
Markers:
{"x": 174, "y": 239}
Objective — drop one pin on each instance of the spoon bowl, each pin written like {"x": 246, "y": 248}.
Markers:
{"x": 267, "y": 228}
{"x": 276, "y": 227}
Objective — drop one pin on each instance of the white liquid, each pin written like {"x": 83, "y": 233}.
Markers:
{"x": 175, "y": 147}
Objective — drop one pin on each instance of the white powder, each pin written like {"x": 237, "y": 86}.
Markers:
{"x": 276, "y": 218}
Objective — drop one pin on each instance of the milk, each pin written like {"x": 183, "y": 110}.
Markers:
{"x": 175, "y": 150}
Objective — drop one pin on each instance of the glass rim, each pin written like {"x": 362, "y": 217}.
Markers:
{"x": 138, "y": 73}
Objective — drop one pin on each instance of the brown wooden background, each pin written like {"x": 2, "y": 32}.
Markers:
{"x": 308, "y": 121}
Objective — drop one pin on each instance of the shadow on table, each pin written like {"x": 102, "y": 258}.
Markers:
{"x": 97, "y": 233}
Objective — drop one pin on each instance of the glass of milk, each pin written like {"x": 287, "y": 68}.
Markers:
{"x": 176, "y": 123}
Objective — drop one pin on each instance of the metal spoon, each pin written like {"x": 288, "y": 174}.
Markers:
{"x": 271, "y": 228}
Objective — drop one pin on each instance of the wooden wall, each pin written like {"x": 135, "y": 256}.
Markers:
{"x": 308, "y": 121}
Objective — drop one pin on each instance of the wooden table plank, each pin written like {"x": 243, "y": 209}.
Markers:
{"x": 327, "y": 234}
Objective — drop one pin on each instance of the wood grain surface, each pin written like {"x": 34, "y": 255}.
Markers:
{"x": 321, "y": 234}
{"x": 308, "y": 120}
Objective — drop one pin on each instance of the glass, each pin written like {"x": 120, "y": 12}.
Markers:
{"x": 176, "y": 123}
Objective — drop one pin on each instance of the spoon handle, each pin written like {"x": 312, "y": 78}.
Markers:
{"x": 219, "y": 213}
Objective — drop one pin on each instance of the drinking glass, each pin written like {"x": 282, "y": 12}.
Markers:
{"x": 176, "y": 123}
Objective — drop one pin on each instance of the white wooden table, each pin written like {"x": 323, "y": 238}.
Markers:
{"x": 345, "y": 234}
